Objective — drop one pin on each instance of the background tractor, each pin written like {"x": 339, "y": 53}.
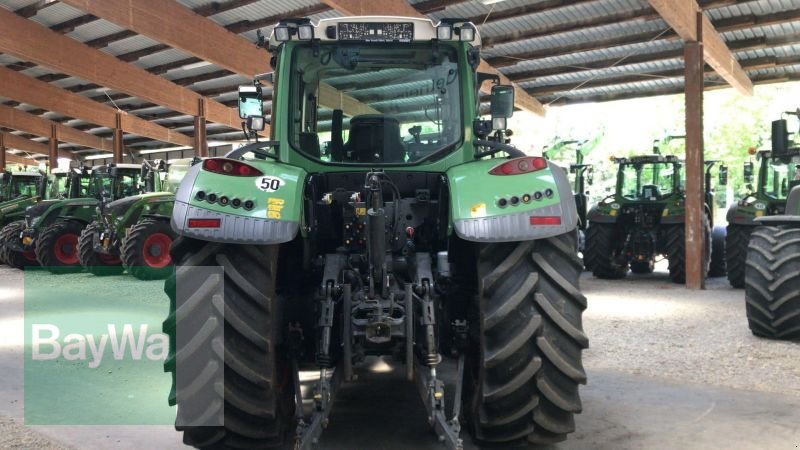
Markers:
{"x": 132, "y": 232}
{"x": 582, "y": 174}
{"x": 779, "y": 171}
{"x": 24, "y": 190}
{"x": 384, "y": 218}
{"x": 772, "y": 284}
{"x": 645, "y": 218}
{"x": 52, "y": 228}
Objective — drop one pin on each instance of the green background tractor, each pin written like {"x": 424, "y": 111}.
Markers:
{"x": 645, "y": 217}
{"x": 384, "y": 217}
{"x": 31, "y": 189}
{"x": 772, "y": 284}
{"x": 779, "y": 171}
{"x": 52, "y": 228}
{"x": 132, "y": 232}
{"x": 582, "y": 173}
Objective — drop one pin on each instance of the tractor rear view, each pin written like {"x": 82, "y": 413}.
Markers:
{"x": 645, "y": 218}
{"x": 384, "y": 218}
{"x": 132, "y": 233}
{"x": 779, "y": 171}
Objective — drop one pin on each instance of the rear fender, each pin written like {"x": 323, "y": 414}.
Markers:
{"x": 478, "y": 216}
{"x": 274, "y": 219}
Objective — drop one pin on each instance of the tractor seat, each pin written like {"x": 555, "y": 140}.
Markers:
{"x": 651, "y": 191}
{"x": 375, "y": 138}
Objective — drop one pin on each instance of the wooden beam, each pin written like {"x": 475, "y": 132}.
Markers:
{"x": 695, "y": 211}
{"x": 200, "y": 138}
{"x": 82, "y": 61}
{"x": 198, "y": 36}
{"x": 2, "y": 152}
{"x": 52, "y": 147}
{"x": 157, "y": 18}
{"x": 625, "y": 78}
{"x": 28, "y": 90}
{"x": 29, "y": 123}
{"x": 682, "y": 16}
{"x": 498, "y": 14}
{"x": 402, "y": 8}
{"x": 26, "y": 145}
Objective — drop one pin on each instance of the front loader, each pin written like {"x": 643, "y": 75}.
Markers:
{"x": 51, "y": 228}
{"x": 645, "y": 218}
{"x": 132, "y": 232}
{"x": 383, "y": 218}
{"x": 778, "y": 172}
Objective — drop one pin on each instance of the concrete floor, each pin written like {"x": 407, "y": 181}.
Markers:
{"x": 668, "y": 368}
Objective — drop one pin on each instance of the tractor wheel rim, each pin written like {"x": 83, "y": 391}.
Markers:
{"x": 156, "y": 250}
{"x": 66, "y": 249}
{"x": 29, "y": 255}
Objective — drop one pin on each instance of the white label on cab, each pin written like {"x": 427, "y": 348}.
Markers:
{"x": 269, "y": 184}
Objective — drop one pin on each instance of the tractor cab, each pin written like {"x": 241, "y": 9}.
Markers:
{"x": 114, "y": 181}
{"x": 21, "y": 184}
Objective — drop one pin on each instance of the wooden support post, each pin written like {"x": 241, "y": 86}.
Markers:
{"x": 200, "y": 138}
{"x": 2, "y": 152}
{"x": 118, "y": 145}
{"x": 695, "y": 232}
{"x": 53, "y": 148}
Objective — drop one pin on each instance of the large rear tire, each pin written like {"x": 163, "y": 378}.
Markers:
{"x": 676, "y": 251}
{"x": 145, "y": 251}
{"x": 17, "y": 260}
{"x": 57, "y": 247}
{"x": 772, "y": 285}
{"x": 602, "y": 259}
{"x": 718, "y": 267}
{"x": 736, "y": 253}
{"x": 96, "y": 263}
{"x": 524, "y": 364}
{"x": 258, "y": 388}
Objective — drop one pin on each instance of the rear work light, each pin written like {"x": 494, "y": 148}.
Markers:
{"x": 516, "y": 166}
{"x": 225, "y": 166}
{"x": 204, "y": 223}
{"x": 545, "y": 220}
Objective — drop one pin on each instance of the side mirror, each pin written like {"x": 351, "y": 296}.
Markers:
{"x": 501, "y": 105}
{"x": 748, "y": 172}
{"x": 780, "y": 137}
{"x": 723, "y": 175}
{"x": 112, "y": 171}
{"x": 250, "y": 102}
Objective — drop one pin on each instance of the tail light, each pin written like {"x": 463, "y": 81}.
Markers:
{"x": 545, "y": 220}
{"x": 225, "y": 166}
{"x": 517, "y": 166}
{"x": 204, "y": 223}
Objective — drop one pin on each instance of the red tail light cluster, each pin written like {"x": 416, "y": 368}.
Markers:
{"x": 225, "y": 166}
{"x": 204, "y": 223}
{"x": 517, "y": 166}
{"x": 545, "y": 220}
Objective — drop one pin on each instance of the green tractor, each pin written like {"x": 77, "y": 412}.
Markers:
{"x": 582, "y": 174}
{"x": 133, "y": 232}
{"x": 772, "y": 284}
{"x": 51, "y": 228}
{"x": 445, "y": 248}
{"x": 645, "y": 217}
{"x": 23, "y": 190}
{"x": 778, "y": 172}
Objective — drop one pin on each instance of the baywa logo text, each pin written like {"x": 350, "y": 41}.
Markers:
{"x": 124, "y": 344}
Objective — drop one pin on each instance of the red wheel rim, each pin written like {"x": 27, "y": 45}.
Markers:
{"x": 30, "y": 255}
{"x": 156, "y": 250}
{"x": 66, "y": 249}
